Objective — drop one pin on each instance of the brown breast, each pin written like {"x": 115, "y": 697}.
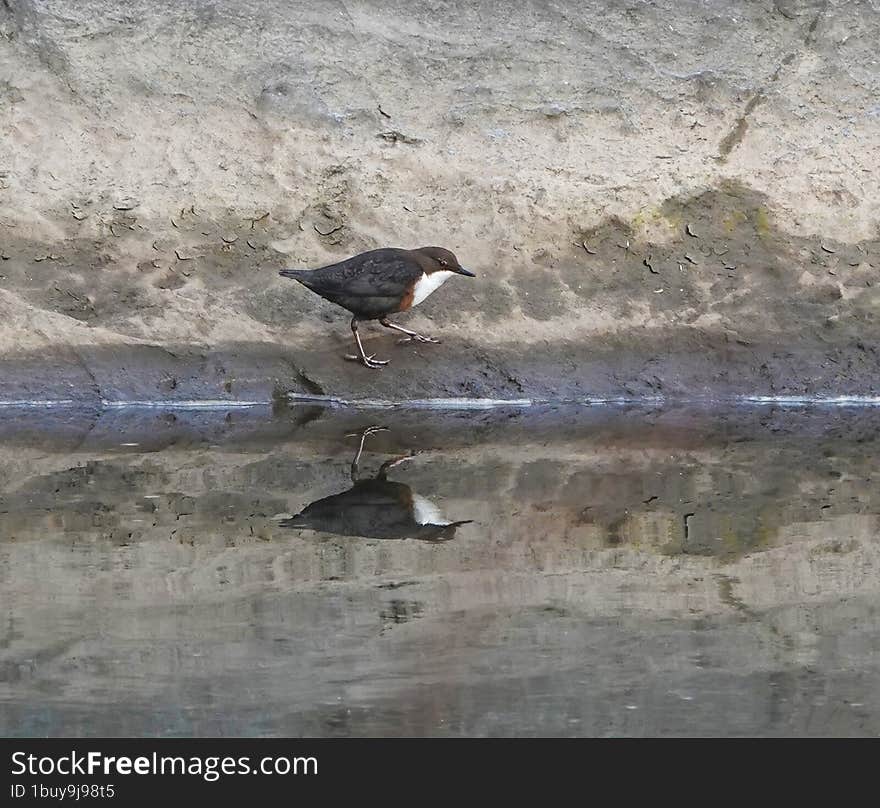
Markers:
{"x": 407, "y": 300}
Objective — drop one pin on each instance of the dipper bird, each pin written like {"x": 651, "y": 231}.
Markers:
{"x": 376, "y": 508}
{"x": 377, "y": 283}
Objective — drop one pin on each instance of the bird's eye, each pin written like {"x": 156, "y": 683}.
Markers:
{"x": 442, "y": 263}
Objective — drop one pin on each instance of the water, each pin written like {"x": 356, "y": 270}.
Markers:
{"x": 615, "y": 571}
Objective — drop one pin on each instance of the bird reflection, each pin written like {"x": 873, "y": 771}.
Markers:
{"x": 377, "y": 508}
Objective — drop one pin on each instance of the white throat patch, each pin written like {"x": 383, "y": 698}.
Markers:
{"x": 430, "y": 283}
{"x": 426, "y": 512}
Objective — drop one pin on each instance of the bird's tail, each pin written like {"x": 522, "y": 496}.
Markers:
{"x": 297, "y": 274}
{"x": 299, "y": 520}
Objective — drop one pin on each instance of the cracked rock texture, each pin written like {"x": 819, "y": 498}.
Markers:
{"x": 674, "y": 198}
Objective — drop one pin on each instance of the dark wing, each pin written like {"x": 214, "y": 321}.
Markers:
{"x": 373, "y": 509}
{"x": 378, "y": 273}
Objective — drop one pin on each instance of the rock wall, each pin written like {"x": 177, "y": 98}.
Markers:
{"x": 676, "y": 197}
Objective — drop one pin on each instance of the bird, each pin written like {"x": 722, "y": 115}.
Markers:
{"x": 378, "y": 283}
{"x": 377, "y": 508}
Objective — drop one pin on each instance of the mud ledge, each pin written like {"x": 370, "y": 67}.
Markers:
{"x": 685, "y": 366}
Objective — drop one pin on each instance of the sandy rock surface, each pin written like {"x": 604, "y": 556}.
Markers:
{"x": 672, "y": 198}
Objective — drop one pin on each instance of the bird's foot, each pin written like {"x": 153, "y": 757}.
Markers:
{"x": 367, "y": 361}
{"x": 370, "y": 430}
{"x": 395, "y": 461}
{"x": 390, "y": 464}
{"x": 418, "y": 338}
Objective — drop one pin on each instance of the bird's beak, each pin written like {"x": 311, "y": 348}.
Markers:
{"x": 463, "y": 271}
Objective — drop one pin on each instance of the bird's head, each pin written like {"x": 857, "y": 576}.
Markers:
{"x": 436, "y": 259}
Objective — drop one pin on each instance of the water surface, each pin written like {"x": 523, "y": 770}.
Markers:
{"x": 592, "y": 571}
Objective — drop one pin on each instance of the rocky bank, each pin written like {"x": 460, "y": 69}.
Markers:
{"x": 659, "y": 198}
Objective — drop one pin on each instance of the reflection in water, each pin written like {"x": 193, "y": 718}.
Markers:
{"x": 627, "y": 572}
{"x": 377, "y": 508}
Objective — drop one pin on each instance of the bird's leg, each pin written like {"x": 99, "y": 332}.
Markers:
{"x": 411, "y": 335}
{"x": 390, "y": 464}
{"x": 357, "y": 458}
{"x": 366, "y": 361}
